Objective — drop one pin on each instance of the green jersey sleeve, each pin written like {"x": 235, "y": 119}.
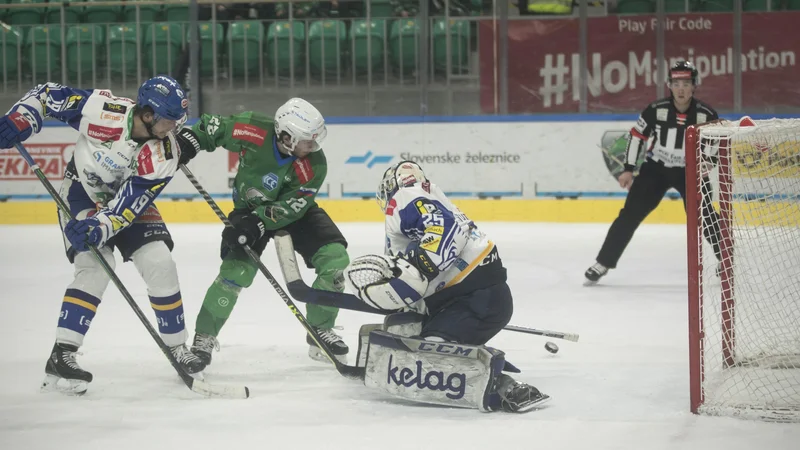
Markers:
{"x": 247, "y": 130}
{"x": 297, "y": 196}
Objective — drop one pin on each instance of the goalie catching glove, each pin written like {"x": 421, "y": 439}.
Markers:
{"x": 389, "y": 283}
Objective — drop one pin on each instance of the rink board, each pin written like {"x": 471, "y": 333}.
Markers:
{"x": 506, "y": 210}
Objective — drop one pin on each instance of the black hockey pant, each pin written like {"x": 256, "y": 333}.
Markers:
{"x": 649, "y": 187}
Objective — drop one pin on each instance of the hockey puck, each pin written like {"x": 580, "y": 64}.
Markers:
{"x": 551, "y": 347}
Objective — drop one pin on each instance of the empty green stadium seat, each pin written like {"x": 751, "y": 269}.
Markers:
{"x": 10, "y": 45}
{"x": 792, "y": 5}
{"x": 715, "y": 6}
{"x": 102, "y": 13}
{"x": 207, "y": 39}
{"x": 177, "y": 12}
{"x": 245, "y": 46}
{"x": 403, "y": 42}
{"x": 85, "y": 48}
{"x": 636, "y": 6}
{"x": 380, "y": 9}
{"x": 123, "y": 54}
{"x": 677, "y": 6}
{"x": 162, "y": 47}
{"x": 44, "y": 50}
{"x": 26, "y": 16}
{"x": 375, "y": 33}
{"x": 327, "y": 45}
{"x": 72, "y": 14}
{"x": 459, "y": 45}
{"x": 147, "y": 13}
{"x": 759, "y": 5}
{"x": 280, "y": 54}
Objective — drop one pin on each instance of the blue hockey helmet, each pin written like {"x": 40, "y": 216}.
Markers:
{"x": 165, "y": 96}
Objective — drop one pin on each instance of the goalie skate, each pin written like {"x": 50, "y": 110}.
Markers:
{"x": 61, "y": 365}
{"x": 335, "y": 343}
{"x": 519, "y": 397}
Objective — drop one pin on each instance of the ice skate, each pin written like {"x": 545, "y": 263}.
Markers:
{"x": 188, "y": 361}
{"x": 519, "y": 397}
{"x": 202, "y": 347}
{"x": 334, "y": 341}
{"x": 594, "y": 273}
{"x": 61, "y": 365}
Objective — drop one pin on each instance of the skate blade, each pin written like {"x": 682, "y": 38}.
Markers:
{"x": 316, "y": 354}
{"x": 589, "y": 282}
{"x": 533, "y": 405}
{"x": 68, "y": 387}
{"x": 199, "y": 376}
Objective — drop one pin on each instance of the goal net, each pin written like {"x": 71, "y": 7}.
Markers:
{"x": 743, "y": 194}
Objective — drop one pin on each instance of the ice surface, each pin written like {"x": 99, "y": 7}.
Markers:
{"x": 623, "y": 386}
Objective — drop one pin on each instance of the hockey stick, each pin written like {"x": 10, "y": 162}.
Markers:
{"x": 300, "y": 291}
{"x": 197, "y": 386}
{"x": 356, "y": 373}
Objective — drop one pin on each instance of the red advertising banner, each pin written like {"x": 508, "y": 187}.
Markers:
{"x": 543, "y": 61}
{"x": 51, "y": 158}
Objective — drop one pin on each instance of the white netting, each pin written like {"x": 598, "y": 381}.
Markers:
{"x": 749, "y": 304}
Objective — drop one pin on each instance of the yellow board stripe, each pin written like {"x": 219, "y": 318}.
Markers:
{"x": 79, "y": 302}
{"x": 471, "y": 266}
{"x": 167, "y": 307}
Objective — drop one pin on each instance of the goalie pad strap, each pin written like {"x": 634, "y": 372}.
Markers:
{"x": 442, "y": 373}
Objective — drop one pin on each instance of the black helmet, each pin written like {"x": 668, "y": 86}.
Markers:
{"x": 683, "y": 70}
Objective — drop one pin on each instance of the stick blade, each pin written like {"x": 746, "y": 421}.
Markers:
{"x": 211, "y": 390}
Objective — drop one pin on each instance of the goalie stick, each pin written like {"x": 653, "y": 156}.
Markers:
{"x": 198, "y": 386}
{"x": 356, "y": 373}
{"x": 302, "y": 292}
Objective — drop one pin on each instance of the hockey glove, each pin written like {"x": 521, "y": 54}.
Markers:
{"x": 14, "y": 128}
{"x": 247, "y": 230}
{"x": 188, "y": 143}
{"x": 83, "y": 233}
{"x": 419, "y": 258}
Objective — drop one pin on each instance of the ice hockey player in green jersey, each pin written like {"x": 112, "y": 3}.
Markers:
{"x": 281, "y": 167}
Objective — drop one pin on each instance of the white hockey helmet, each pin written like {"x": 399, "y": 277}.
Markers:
{"x": 301, "y": 121}
{"x": 400, "y": 175}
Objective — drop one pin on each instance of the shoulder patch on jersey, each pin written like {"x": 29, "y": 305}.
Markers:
{"x": 73, "y": 102}
{"x": 115, "y": 108}
{"x": 269, "y": 181}
{"x": 144, "y": 162}
{"x": 104, "y": 133}
{"x": 302, "y": 167}
{"x": 167, "y": 148}
{"x": 249, "y": 133}
{"x": 661, "y": 114}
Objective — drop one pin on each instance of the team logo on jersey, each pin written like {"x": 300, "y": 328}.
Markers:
{"x": 115, "y": 108}
{"x": 269, "y": 181}
{"x": 390, "y": 207}
{"x": 102, "y": 133}
{"x": 249, "y": 133}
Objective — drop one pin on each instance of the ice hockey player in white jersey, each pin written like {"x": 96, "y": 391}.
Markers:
{"x": 125, "y": 155}
{"x": 447, "y": 276}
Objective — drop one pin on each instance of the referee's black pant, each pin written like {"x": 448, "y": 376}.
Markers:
{"x": 647, "y": 190}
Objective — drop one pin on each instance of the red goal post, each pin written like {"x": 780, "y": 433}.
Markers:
{"x": 744, "y": 309}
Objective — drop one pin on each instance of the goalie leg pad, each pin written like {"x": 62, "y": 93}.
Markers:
{"x": 402, "y": 324}
{"x": 440, "y": 373}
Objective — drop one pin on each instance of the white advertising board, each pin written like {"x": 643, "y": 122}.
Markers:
{"x": 515, "y": 159}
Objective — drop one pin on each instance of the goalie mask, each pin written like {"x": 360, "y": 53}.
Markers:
{"x": 400, "y": 175}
